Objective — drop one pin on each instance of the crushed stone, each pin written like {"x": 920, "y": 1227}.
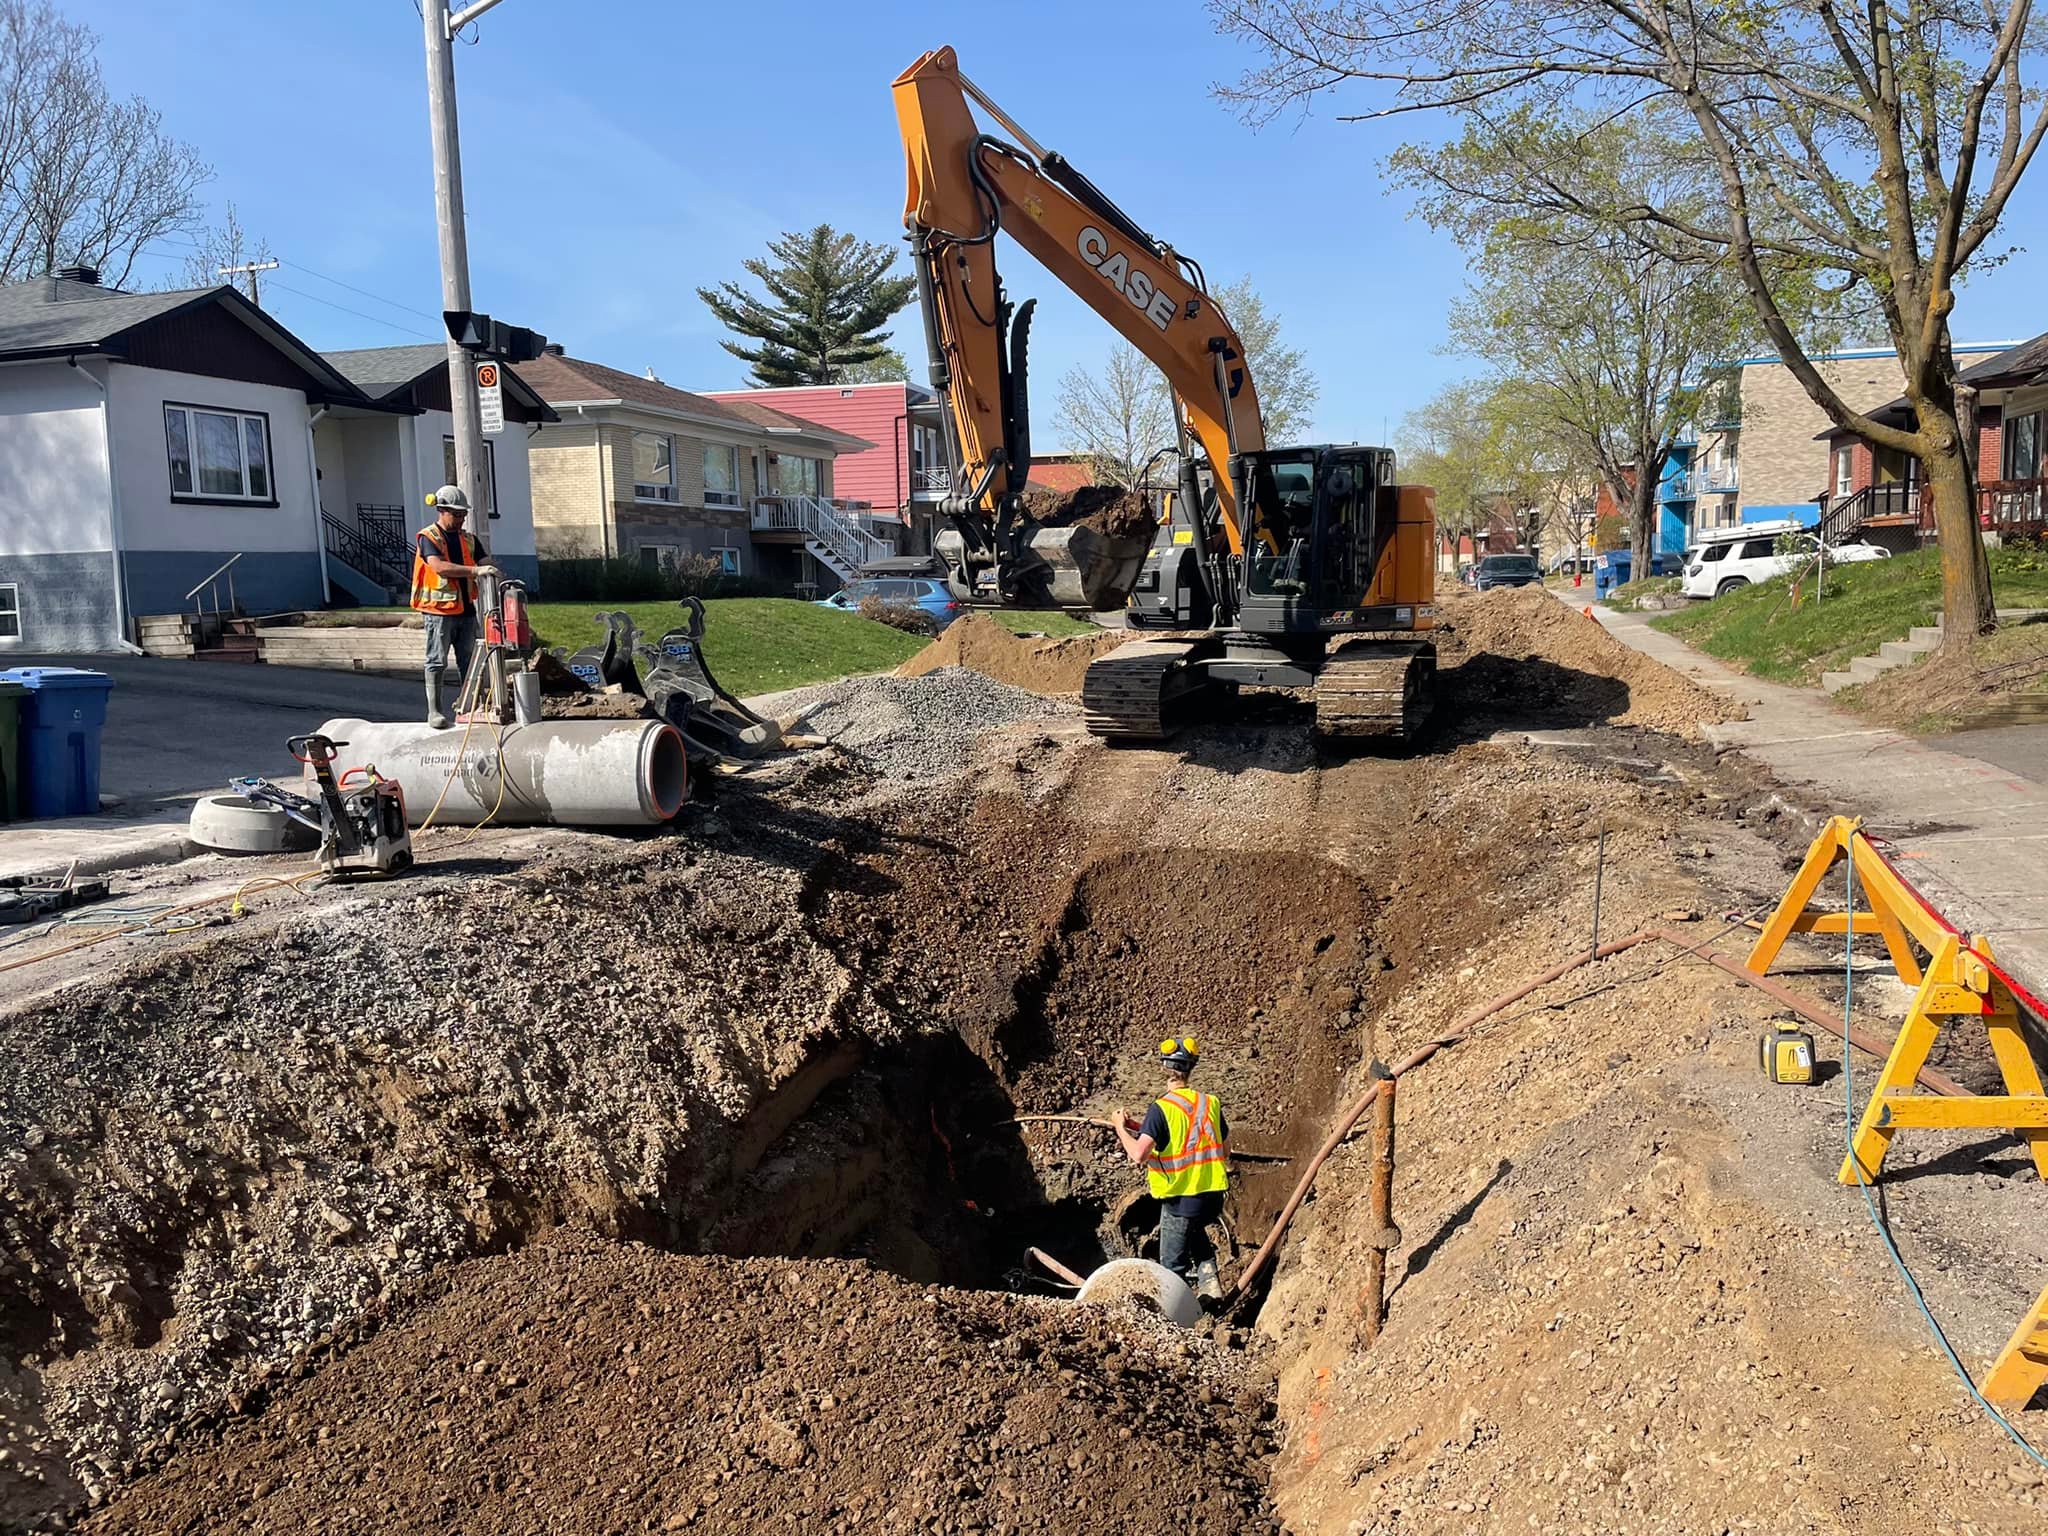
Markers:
{"x": 920, "y": 727}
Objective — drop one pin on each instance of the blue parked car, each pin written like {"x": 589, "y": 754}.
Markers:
{"x": 921, "y": 592}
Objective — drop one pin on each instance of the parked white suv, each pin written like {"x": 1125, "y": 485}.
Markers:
{"x": 1724, "y": 561}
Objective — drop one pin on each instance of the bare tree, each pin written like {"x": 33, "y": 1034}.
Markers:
{"x": 1869, "y": 150}
{"x": 220, "y": 246}
{"x": 84, "y": 177}
{"x": 1118, "y": 415}
{"x": 1287, "y": 386}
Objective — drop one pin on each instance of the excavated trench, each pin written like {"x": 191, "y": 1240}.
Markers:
{"x": 1022, "y": 969}
{"x": 914, "y": 1156}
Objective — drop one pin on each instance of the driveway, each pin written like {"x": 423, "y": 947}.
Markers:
{"x": 180, "y": 729}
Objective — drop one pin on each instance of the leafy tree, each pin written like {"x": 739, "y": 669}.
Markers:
{"x": 829, "y": 295}
{"x": 84, "y": 177}
{"x": 1867, "y": 152}
{"x": 1120, "y": 415}
{"x": 1475, "y": 444}
{"x": 1288, "y": 388}
{"x": 889, "y": 368}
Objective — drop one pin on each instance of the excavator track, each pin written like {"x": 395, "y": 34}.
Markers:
{"x": 1375, "y": 690}
{"x": 1125, "y": 694}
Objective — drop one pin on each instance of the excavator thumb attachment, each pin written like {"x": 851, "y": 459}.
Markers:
{"x": 682, "y": 688}
{"x": 1076, "y": 567}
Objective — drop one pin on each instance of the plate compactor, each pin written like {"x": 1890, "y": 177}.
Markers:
{"x": 362, "y": 827}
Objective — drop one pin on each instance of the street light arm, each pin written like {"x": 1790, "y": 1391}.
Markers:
{"x": 467, "y": 14}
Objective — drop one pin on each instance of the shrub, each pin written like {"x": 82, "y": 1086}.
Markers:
{"x": 907, "y": 617}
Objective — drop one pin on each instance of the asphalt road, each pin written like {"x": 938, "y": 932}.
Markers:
{"x": 180, "y": 729}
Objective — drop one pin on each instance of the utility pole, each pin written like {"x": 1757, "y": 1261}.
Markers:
{"x": 248, "y": 269}
{"x": 462, "y": 394}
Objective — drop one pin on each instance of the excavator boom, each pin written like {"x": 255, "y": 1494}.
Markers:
{"x": 963, "y": 186}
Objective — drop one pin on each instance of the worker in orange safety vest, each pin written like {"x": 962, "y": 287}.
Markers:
{"x": 1183, "y": 1144}
{"x": 446, "y": 560}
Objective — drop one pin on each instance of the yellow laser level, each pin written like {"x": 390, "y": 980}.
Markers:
{"x": 1787, "y": 1053}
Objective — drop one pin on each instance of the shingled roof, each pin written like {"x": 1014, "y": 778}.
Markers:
{"x": 561, "y": 380}
{"x": 381, "y": 372}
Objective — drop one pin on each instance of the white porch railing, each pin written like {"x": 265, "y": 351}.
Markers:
{"x": 937, "y": 478}
{"x": 816, "y": 518}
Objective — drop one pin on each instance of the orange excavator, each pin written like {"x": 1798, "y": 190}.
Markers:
{"x": 1305, "y": 567}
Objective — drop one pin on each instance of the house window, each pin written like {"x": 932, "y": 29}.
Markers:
{"x": 657, "y": 556}
{"x": 2021, "y": 452}
{"x": 728, "y": 560}
{"x": 1845, "y": 471}
{"x": 218, "y": 455}
{"x": 797, "y": 477}
{"x": 10, "y": 611}
{"x": 490, "y": 472}
{"x": 721, "y": 475}
{"x": 654, "y": 466}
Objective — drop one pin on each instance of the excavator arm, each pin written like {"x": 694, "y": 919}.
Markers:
{"x": 964, "y": 186}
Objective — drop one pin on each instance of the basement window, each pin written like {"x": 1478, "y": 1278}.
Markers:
{"x": 10, "y": 611}
{"x": 218, "y": 455}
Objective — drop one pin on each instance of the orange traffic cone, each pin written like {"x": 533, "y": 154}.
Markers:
{"x": 1587, "y": 610}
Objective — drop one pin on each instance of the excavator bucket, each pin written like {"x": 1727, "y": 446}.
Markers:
{"x": 1072, "y": 567}
{"x": 1089, "y": 568}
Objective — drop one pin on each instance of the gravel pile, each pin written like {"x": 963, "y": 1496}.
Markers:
{"x": 918, "y": 727}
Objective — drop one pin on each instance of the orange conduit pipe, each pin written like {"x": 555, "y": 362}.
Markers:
{"x": 1861, "y": 1038}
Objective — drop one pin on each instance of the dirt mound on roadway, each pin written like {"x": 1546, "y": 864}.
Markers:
{"x": 1523, "y": 649}
{"x": 582, "y": 1385}
{"x": 1042, "y": 666}
{"x": 1109, "y": 510}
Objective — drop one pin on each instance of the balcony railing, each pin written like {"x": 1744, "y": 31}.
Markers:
{"x": 1714, "y": 478}
{"x": 935, "y": 481}
{"x": 2006, "y": 507}
{"x": 833, "y": 524}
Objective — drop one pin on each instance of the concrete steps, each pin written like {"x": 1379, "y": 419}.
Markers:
{"x": 1920, "y": 641}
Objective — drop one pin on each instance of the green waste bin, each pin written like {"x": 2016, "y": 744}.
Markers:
{"x": 11, "y": 695}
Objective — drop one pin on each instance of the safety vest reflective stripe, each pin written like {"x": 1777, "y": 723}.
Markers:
{"x": 1196, "y": 1165}
{"x": 431, "y": 591}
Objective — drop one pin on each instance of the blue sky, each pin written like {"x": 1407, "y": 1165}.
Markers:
{"x": 617, "y": 157}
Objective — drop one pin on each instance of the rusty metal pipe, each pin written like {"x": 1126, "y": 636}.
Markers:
{"x": 1385, "y": 1235}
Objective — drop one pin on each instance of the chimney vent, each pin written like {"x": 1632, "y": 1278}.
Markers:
{"x": 90, "y": 276}
{"x": 553, "y": 349}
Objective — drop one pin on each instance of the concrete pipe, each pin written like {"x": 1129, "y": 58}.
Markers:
{"x": 572, "y": 773}
{"x": 1148, "y": 1284}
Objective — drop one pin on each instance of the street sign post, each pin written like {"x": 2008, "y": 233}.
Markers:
{"x": 491, "y": 397}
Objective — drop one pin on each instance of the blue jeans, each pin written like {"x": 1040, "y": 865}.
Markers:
{"x": 1184, "y": 1241}
{"x": 450, "y": 631}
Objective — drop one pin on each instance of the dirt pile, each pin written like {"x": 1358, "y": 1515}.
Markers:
{"x": 1520, "y": 651}
{"x": 586, "y": 1386}
{"x": 1107, "y": 509}
{"x": 1040, "y": 665}
{"x": 922, "y": 726}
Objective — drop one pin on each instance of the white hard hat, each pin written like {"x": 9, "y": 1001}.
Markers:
{"x": 449, "y": 496}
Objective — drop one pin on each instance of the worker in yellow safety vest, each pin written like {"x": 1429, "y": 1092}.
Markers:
{"x": 1183, "y": 1144}
{"x": 446, "y": 560}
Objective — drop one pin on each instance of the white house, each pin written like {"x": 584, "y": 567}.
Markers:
{"x": 377, "y": 467}
{"x": 145, "y": 440}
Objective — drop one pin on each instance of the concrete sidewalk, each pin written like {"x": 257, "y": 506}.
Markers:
{"x": 1971, "y": 833}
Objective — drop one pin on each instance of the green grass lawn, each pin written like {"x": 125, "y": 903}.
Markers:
{"x": 754, "y": 644}
{"x": 1760, "y": 630}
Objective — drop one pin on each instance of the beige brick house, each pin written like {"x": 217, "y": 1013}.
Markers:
{"x": 639, "y": 470}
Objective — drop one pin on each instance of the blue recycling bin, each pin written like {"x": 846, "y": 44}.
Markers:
{"x": 62, "y": 715}
{"x": 1611, "y": 569}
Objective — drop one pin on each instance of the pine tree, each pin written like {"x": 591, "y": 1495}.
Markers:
{"x": 829, "y": 294}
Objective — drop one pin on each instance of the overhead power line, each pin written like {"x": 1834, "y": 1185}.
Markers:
{"x": 388, "y": 324}
{"x": 300, "y": 266}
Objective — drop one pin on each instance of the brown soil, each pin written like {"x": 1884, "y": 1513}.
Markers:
{"x": 1109, "y": 510}
{"x": 2001, "y": 678}
{"x": 242, "y": 1271}
{"x": 1041, "y": 666}
{"x": 595, "y": 706}
{"x": 588, "y": 1386}
{"x": 1521, "y": 649}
